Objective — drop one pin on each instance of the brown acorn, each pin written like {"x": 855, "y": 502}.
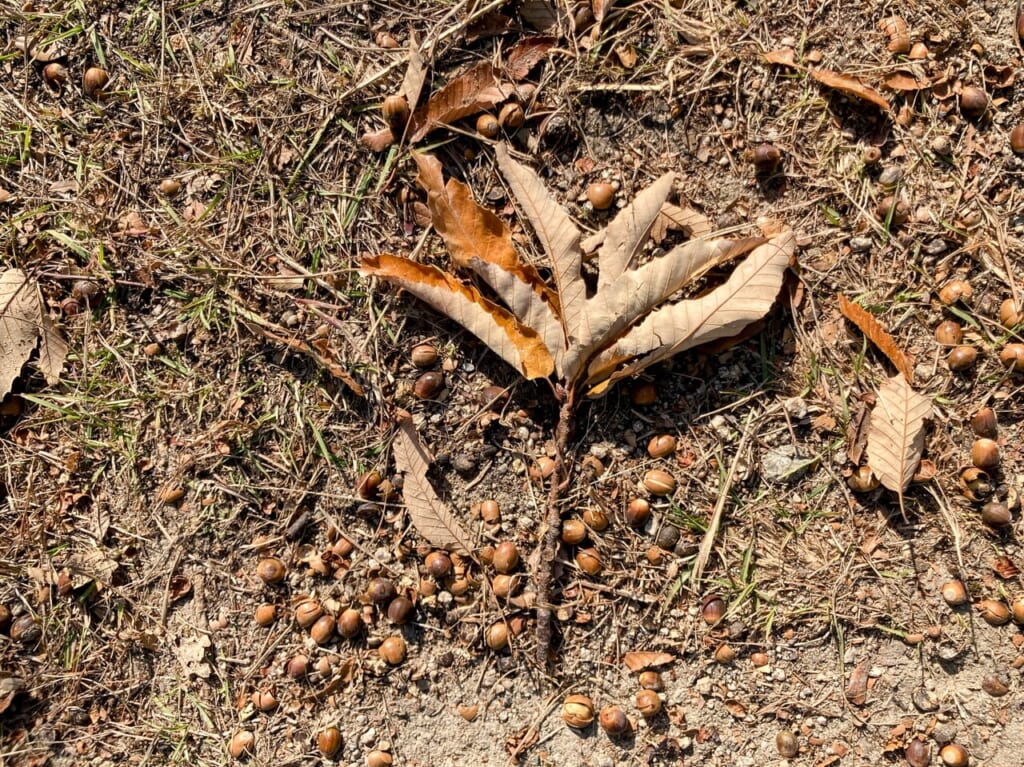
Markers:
{"x": 329, "y": 742}
{"x": 1017, "y": 134}
{"x": 242, "y": 743}
{"x": 648, "y": 703}
{"x": 601, "y": 195}
{"x": 392, "y": 650}
{"x": 307, "y": 613}
{"x": 589, "y": 561}
{"x": 573, "y": 531}
{"x": 428, "y": 385}
{"x": 506, "y": 557}
{"x": 766, "y": 157}
{"x": 511, "y": 117}
{"x": 396, "y": 111}
{"x": 973, "y": 102}
{"x": 350, "y": 623}
{"x": 401, "y": 610}
{"x": 487, "y": 125}
{"x": 438, "y": 564}
{"x": 271, "y": 570}
{"x": 1012, "y": 357}
{"x": 638, "y": 511}
{"x": 424, "y": 355}
{"x": 381, "y": 591}
{"x": 661, "y": 445}
{"x": 93, "y": 82}
{"x": 613, "y": 721}
{"x": 962, "y": 358}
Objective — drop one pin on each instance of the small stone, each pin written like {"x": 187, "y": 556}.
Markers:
{"x": 891, "y": 176}
{"x": 860, "y": 244}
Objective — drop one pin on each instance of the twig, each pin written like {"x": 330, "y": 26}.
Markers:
{"x": 706, "y": 544}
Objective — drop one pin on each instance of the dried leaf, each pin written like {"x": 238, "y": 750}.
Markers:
{"x": 639, "y": 661}
{"x": 850, "y": 86}
{"x": 378, "y": 141}
{"x": 877, "y": 335}
{"x": 673, "y": 217}
{"x": 857, "y": 687}
{"x": 429, "y": 515}
{"x": 784, "y": 56}
{"x": 471, "y": 92}
{"x": 415, "y": 73}
{"x": 20, "y": 319}
{"x": 511, "y": 340}
{"x": 53, "y": 350}
{"x": 557, "y": 234}
{"x": 628, "y": 231}
{"x": 896, "y": 434}
{"x": 527, "y": 54}
{"x": 905, "y": 81}
{"x": 539, "y": 14}
{"x": 745, "y": 297}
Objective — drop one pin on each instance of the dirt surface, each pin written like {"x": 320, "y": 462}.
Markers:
{"x": 231, "y": 376}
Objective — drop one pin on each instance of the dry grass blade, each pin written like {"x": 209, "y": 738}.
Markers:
{"x": 896, "y": 434}
{"x": 850, "y": 86}
{"x": 511, "y": 340}
{"x": 20, "y": 318}
{"x": 746, "y": 296}
{"x": 557, "y": 233}
{"x": 878, "y": 335}
{"x": 628, "y": 232}
{"x": 429, "y": 515}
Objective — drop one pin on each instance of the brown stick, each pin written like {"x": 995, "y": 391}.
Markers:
{"x": 552, "y": 532}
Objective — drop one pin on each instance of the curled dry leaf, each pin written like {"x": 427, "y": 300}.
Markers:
{"x": 428, "y": 513}
{"x": 527, "y": 54}
{"x": 857, "y": 687}
{"x": 851, "y": 86}
{"x": 878, "y": 335}
{"x": 896, "y": 434}
{"x": 640, "y": 661}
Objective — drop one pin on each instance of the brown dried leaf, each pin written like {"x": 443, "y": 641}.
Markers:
{"x": 626, "y": 234}
{"x": 20, "y": 319}
{"x": 850, "y": 86}
{"x": 415, "y": 72}
{"x": 472, "y": 92}
{"x": 877, "y": 335}
{"x": 896, "y": 434}
{"x": 527, "y": 54}
{"x": 640, "y": 661}
{"x": 905, "y": 81}
{"x": 691, "y": 222}
{"x": 557, "y": 234}
{"x": 514, "y": 342}
{"x": 539, "y": 14}
{"x": 857, "y": 688}
{"x": 53, "y": 350}
{"x": 745, "y": 297}
{"x": 378, "y": 141}
{"x": 784, "y": 56}
{"x": 429, "y": 515}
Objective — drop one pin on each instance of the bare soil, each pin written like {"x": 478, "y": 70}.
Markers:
{"x": 231, "y": 376}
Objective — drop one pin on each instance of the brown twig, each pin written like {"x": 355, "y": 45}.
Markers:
{"x": 553, "y": 530}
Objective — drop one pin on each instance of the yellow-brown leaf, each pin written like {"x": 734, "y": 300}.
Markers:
{"x": 878, "y": 335}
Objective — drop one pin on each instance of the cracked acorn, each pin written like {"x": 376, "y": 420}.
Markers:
{"x": 578, "y": 711}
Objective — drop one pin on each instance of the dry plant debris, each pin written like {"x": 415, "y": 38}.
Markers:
{"x": 25, "y": 329}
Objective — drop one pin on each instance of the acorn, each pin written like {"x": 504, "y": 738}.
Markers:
{"x": 955, "y": 593}
{"x": 996, "y": 514}
{"x": 496, "y": 636}
{"x": 638, "y": 511}
{"x": 329, "y": 742}
{"x": 504, "y": 585}
{"x": 651, "y": 680}
{"x": 712, "y": 609}
{"x": 973, "y": 102}
{"x": 93, "y": 82}
{"x": 86, "y": 292}
{"x": 26, "y": 630}
{"x": 766, "y": 157}
{"x": 601, "y": 194}
{"x": 983, "y": 422}
{"x": 381, "y": 591}
{"x": 962, "y": 358}
{"x": 265, "y": 614}
{"x": 1009, "y": 314}
{"x": 871, "y": 155}
{"x": 170, "y": 187}
{"x": 487, "y": 125}
{"x": 369, "y": 484}
{"x": 595, "y": 519}
{"x": 661, "y": 445}
{"x": 613, "y": 721}
{"x": 956, "y": 290}
{"x": 428, "y": 385}
{"x": 392, "y": 650}
{"x": 573, "y": 531}
{"x": 949, "y": 333}
{"x": 918, "y": 753}
{"x": 271, "y": 570}
{"x": 424, "y": 355}
{"x": 1017, "y": 134}
{"x": 1012, "y": 357}
{"x": 350, "y": 623}
{"x": 511, "y": 117}
{"x": 242, "y": 743}
{"x": 506, "y": 557}
{"x": 954, "y": 755}
{"x": 578, "y": 711}
{"x": 438, "y": 564}
{"x": 985, "y": 454}
{"x": 379, "y": 759}
{"x": 589, "y": 561}
{"x": 307, "y": 613}
{"x": 863, "y": 480}
{"x": 396, "y": 112}
{"x": 659, "y": 482}
{"x": 896, "y": 211}
{"x": 648, "y": 703}
{"x": 401, "y": 610}
{"x": 786, "y": 744}
{"x": 263, "y": 700}
{"x": 490, "y": 512}
{"x": 993, "y": 612}
{"x": 297, "y": 666}
{"x": 724, "y": 654}
{"x": 323, "y": 630}
{"x": 975, "y": 484}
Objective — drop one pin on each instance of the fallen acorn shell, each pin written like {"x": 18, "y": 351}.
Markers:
{"x": 613, "y": 720}
{"x": 578, "y": 711}
{"x": 661, "y": 445}
{"x": 307, "y": 613}
{"x": 863, "y": 480}
{"x": 648, "y": 703}
{"x": 659, "y": 482}
{"x": 954, "y": 755}
{"x": 955, "y": 593}
{"x": 392, "y": 650}
{"x": 1012, "y": 357}
{"x": 242, "y": 743}
{"x": 496, "y": 636}
{"x": 263, "y": 700}
{"x": 993, "y": 612}
{"x": 329, "y": 742}
{"x": 271, "y": 570}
